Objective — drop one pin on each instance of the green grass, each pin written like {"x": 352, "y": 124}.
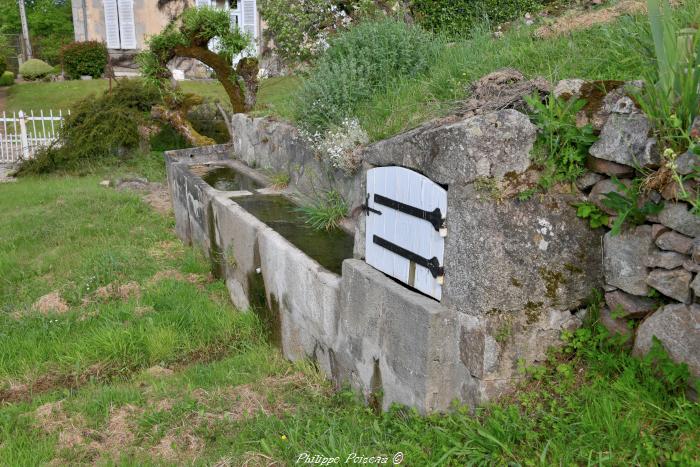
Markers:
{"x": 72, "y": 236}
{"x": 586, "y": 54}
{"x": 62, "y": 95}
{"x": 232, "y": 399}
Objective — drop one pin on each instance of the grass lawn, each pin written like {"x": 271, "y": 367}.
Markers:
{"x": 160, "y": 369}
{"x": 273, "y": 93}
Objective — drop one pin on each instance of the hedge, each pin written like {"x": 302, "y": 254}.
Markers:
{"x": 84, "y": 59}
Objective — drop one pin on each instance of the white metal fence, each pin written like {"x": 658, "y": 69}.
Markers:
{"x": 22, "y": 134}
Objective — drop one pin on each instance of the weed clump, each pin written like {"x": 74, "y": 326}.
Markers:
{"x": 563, "y": 146}
{"x": 327, "y": 212}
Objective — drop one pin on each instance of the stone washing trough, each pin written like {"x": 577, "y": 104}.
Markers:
{"x": 503, "y": 277}
{"x": 305, "y": 284}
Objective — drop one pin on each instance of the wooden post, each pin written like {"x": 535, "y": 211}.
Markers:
{"x": 25, "y": 31}
{"x": 23, "y": 135}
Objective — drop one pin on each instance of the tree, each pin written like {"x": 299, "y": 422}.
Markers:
{"x": 189, "y": 36}
{"x": 50, "y": 25}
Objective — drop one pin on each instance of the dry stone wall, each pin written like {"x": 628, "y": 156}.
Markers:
{"x": 652, "y": 271}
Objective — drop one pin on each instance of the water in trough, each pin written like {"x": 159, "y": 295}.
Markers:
{"x": 228, "y": 179}
{"x": 328, "y": 248}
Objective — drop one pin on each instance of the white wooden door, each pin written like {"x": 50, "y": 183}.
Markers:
{"x": 405, "y": 234}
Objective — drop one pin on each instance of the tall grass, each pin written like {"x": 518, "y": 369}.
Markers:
{"x": 587, "y": 54}
{"x": 672, "y": 94}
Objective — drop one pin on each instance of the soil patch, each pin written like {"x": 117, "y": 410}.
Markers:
{"x": 159, "y": 372}
{"x": 155, "y": 194}
{"x": 18, "y": 392}
{"x": 126, "y": 291}
{"x": 73, "y": 432}
{"x": 575, "y": 20}
{"x": 167, "y": 249}
{"x": 51, "y": 303}
{"x": 174, "y": 274}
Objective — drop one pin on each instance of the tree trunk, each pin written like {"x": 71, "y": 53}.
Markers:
{"x": 177, "y": 119}
{"x": 224, "y": 74}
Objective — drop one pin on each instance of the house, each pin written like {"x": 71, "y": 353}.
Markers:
{"x": 125, "y": 25}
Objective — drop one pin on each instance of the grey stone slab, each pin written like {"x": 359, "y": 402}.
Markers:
{"x": 625, "y": 259}
{"x": 624, "y": 139}
{"x": 627, "y": 305}
{"x": 489, "y": 145}
{"x": 678, "y": 329}
{"x": 674, "y": 283}
{"x": 665, "y": 259}
{"x": 678, "y": 217}
{"x": 673, "y": 241}
{"x": 502, "y": 256}
{"x": 407, "y": 339}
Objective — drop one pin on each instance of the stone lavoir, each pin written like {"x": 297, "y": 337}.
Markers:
{"x": 505, "y": 277}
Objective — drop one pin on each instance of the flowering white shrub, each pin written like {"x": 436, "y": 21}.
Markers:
{"x": 340, "y": 145}
{"x": 300, "y": 28}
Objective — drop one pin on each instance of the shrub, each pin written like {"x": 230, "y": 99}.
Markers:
{"x": 135, "y": 94}
{"x": 97, "y": 129}
{"x": 360, "y": 62}
{"x": 7, "y": 78}
{"x": 300, "y": 28}
{"x": 84, "y": 59}
{"x": 456, "y": 18}
{"x": 35, "y": 69}
{"x": 3, "y": 64}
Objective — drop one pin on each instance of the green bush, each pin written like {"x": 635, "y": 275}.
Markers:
{"x": 358, "y": 63}
{"x": 3, "y": 64}
{"x": 298, "y": 26}
{"x": 98, "y": 129}
{"x": 135, "y": 94}
{"x": 7, "y": 78}
{"x": 35, "y": 69}
{"x": 84, "y": 59}
{"x": 456, "y": 18}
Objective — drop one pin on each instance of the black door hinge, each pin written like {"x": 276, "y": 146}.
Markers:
{"x": 433, "y": 264}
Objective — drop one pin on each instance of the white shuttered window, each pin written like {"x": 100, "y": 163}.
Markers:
{"x": 120, "y": 25}
{"x": 127, "y": 26}
{"x": 112, "y": 24}
{"x": 249, "y": 20}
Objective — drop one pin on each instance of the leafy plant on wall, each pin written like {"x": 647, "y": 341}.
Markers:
{"x": 562, "y": 145}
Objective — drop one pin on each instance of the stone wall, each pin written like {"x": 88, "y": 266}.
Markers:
{"x": 651, "y": 270}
